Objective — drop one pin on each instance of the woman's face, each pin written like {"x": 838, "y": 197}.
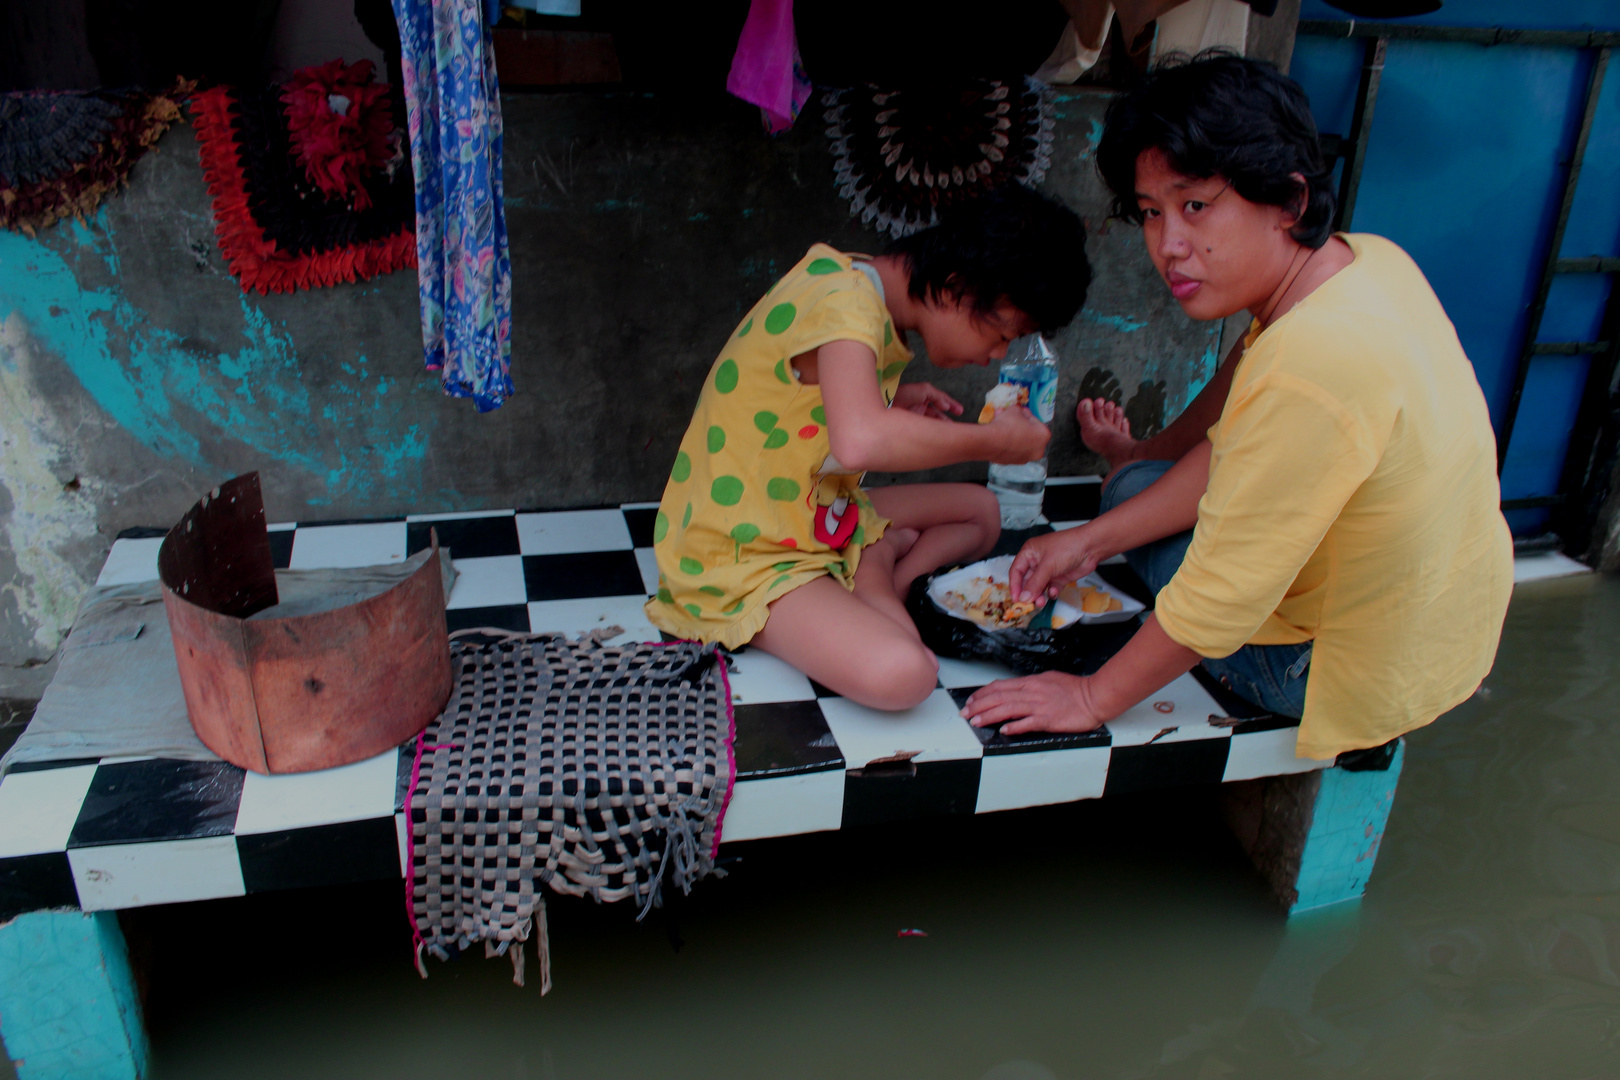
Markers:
{"x": 1218, "y": 252}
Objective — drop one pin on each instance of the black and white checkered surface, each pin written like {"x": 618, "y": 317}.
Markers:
{"x": 118, "y": 833}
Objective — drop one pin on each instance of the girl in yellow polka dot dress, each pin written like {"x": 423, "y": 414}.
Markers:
{"x": 764, "y": 534}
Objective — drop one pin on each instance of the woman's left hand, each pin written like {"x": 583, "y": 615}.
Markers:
{"x": 1050, "y": 701}
{"x": 926, "y": 399}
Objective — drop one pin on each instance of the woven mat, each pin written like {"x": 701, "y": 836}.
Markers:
{"x": 277, "y": 230}
{"x": 602, "y": 771}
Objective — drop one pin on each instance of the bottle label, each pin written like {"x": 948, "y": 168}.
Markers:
{"x": 1041, "y": 382}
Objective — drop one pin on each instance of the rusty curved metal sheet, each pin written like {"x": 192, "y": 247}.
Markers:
{"x": 304, "y": 692}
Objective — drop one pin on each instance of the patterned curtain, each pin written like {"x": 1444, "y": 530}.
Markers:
{"x": 464, "y": 269}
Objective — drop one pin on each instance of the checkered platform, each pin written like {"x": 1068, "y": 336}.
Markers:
{"x": 118, "y": 833}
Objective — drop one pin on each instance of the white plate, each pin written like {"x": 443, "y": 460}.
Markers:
{"x": 997, "y": 568}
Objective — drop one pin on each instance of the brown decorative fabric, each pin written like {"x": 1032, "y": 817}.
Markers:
{"x": 62, "y": 153}
{"x": 602, "y": 771}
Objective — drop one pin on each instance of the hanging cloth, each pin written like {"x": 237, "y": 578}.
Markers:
{"x": 766, "y": 70}
{"x": 464, "y": 269}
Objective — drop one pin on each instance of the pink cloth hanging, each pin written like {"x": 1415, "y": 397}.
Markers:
{"x": 767, "y": 71}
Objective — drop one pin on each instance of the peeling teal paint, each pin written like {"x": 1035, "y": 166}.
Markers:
{"x": 1208, "y": 362}
{"x": 173, "y": 398}
{"x": 609, "y": 205}
{"x": 1093, "y": 137}
{"x": 1125, "y": 324}
{"x": 699, "y": 216}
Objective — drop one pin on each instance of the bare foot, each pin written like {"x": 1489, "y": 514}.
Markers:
{"x": 902, "y": 540}
{"x": 1104, "y": 429}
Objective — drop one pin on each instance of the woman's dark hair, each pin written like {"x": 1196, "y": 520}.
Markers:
{"x": 1010, "y": 244}
{"x": 1219, "y": 114}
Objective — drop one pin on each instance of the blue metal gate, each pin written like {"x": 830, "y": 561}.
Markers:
{"x": 1485, "y": 140}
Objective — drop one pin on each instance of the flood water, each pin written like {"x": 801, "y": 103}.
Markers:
{"x": 1107, "y": 940}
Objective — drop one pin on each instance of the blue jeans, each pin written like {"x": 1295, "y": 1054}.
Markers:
{"x": 1269, "y": 676}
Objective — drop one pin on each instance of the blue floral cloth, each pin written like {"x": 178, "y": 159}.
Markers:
{"x": 464, "y": 269}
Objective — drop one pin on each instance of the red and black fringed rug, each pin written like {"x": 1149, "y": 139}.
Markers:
{"x": 311, "y": 183}
{"x": 903, "y": 154}
{"x": 62, "y": 152}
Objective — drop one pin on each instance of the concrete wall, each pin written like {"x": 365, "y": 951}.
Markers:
{"x": 134, "y": 375}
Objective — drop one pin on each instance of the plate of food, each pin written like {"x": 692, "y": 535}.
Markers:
{"x": 978, "y": 594}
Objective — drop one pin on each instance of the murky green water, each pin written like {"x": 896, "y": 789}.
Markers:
{"x": 1106, "y": 940}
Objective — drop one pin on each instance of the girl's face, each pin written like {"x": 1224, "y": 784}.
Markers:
{"x": 955, "y": 335}
{"x": 1218, "y": 252}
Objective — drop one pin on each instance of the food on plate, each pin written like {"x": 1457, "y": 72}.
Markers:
{"x": 1090, "y": 599}
{"x": 987, "y": 602}
{"x": 1002, "y": 396}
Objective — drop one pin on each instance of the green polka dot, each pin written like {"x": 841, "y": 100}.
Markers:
{"x": 819, "y": 415}
{"x": 781, "y": 371}
{"x": 726, "y": 490}
{"x": 691, "y": 566}
{"x": 894, "y": 369}
{"x": 687, "y": 520}
{"x": 823, "y": 266}
{"x": 780, "y": 318}
{"x": 660, "y": 527}
{"x": 782, "y": 489}
{"x": 888, "y": 333}
{"x": 746, "y": 533}
{"x": 858, "y": 537}
{"x": 779, "y": 567}
{"x": 725, "y": 377}
{"x": 765, "y": 421}
{"x": 776, "y": 439}
{"x": 712, "y": 590}
{"x": 734, "y": 608}
{"x": 666, "y": 596}
{"x": 778, "y": 581}
{"x": 682, "y": 468}
{"x": 717, "y": 439}
{"x": 697, "y": 612}
{"x": 747, "y": 326}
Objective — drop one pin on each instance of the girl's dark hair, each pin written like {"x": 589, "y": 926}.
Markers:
{"x": 1010, "y": 244}
{"x": 1219, "y": 114}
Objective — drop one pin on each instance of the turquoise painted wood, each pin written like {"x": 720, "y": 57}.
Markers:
{"x": 68, "y": 1007}
{"x": 1347, "y": 826}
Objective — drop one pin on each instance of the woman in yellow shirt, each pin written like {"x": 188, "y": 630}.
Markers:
{"x": 1347, "y": 561}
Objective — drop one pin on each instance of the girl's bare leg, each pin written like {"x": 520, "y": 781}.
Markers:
{"x": 955, "y": 522}
{"x": 850, "y": 646}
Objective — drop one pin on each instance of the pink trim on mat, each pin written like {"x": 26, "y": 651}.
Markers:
{"x": 731, "y": 754}
{"x": 731, "y": 738}
{"x": 410, "y": 835}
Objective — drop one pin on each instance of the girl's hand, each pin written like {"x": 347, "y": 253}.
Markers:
{"x": 925, "y": 399}
{"x": 1050, "y": 701}
{"x": 1022, "y": 437}
{"x": 1050, "y": 561}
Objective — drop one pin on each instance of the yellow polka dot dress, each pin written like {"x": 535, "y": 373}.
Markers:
{"x": 756, "y": 505}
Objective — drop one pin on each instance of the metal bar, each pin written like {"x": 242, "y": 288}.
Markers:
{"x": 1472, "y": 35}
{"x": 1533, "y": 503}
{"x": 1550, "y": 263}
{"x": 1585, "y": 472}
{"x": 1570, "y": 348}
{"x": 1372, "y": 72}
{"x": 1592, "y": 264}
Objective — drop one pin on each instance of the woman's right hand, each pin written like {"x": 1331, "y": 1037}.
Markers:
{"x": 1052, "y": 560}
{"x": 1020, "y": 437}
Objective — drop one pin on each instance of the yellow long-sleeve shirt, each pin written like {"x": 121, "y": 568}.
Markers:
{"x": 1353, "y": 501}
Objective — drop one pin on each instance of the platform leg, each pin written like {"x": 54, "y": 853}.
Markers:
{"x": 1314, "y": 836}
{"x": 68, "y": 1005}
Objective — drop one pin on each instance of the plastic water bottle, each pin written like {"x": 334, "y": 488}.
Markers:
{"x": 1030, "y": 363}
